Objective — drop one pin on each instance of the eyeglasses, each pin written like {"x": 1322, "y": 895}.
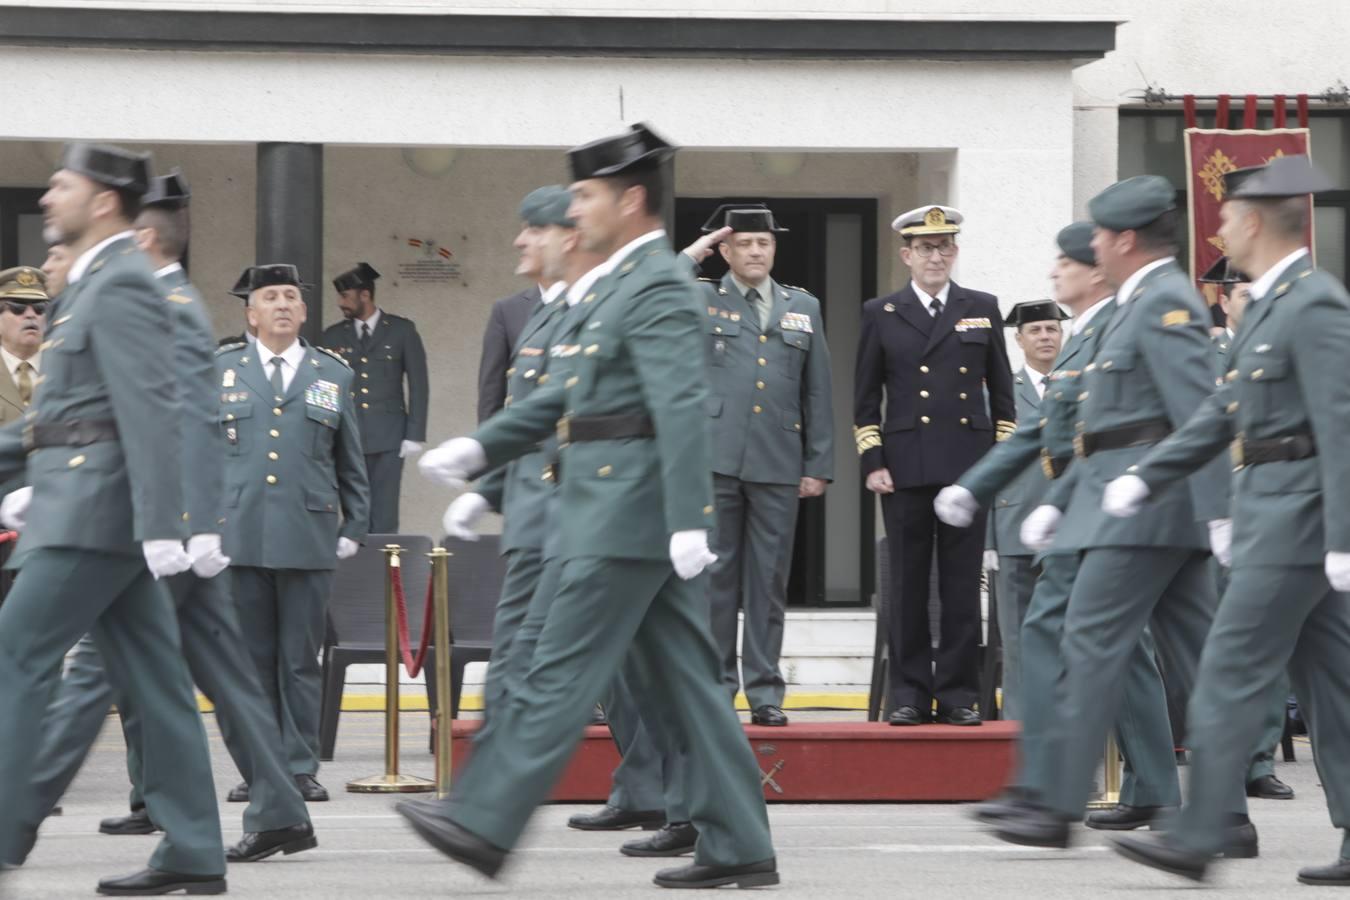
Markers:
{"x": 926, "y": 250}
{"x": 19, "y": 309}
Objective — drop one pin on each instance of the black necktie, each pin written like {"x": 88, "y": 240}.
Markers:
{"x": 365, "y": 333}
{"x": 936, "y": 308}
{"x": 278, "y": 385}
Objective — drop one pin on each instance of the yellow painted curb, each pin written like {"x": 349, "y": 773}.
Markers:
{"x": 474, "y": 702}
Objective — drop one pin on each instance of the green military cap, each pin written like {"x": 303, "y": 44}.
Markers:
{"x": 23, "y": 284}
{"x": 1029, "y": 311}
{"x": 1133, "y": 203}
{"x": 750, "y": 217}
{"x": 168, "y": 191}
{"x": 1283, "y": 176}
{"x": 547, "y": 206}
{"x": 258, "y": 277}
{"x": 361, "y": 275}
{"x": 112, "y": 166}
{"x": 639, "y": 149}
{"x": 1075, "y": 242}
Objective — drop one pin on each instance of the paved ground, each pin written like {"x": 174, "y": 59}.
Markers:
{"x": 857, "y": 851}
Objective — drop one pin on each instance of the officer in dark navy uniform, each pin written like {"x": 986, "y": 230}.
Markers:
{"x": 937, "y": 350}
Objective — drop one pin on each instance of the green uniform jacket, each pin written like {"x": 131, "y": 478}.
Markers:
{"x": 771, "y": 404}
{"x": 290, "y": 467}
{"x": 104, "y": 336}
{"x": 194, "y": 353}
{"x": 1020, "y": 496}
{"x": 521, "y": 489}
{"x": 1288, "y": 378}
{"x": 395, "y": 352}
{"x": 1153, "y": 361}
{"x": 636, "y": 347}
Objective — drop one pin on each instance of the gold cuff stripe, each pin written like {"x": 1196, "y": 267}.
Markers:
{"x": 867, "y": 437}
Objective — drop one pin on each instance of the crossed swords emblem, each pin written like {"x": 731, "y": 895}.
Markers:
{"x": 766, "y": 779}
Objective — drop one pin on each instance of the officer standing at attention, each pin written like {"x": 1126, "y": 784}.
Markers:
{"x": 1040, "y": 336}
{"x": 102, "y": 449}
{"x": 296, "y": 501}
{"x": 1284, "y": 407}
{"x": 383, "y": 351}
{"x": 23, "y": 307}
{"x": 773, "y": 444}
{"x": 935, "y": 349}
{"x": 1153, "y": 367}
{"x": 636, "y": 502}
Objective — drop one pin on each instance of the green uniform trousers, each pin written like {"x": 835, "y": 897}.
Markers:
{"x": 220, "y": 665}
{"x": 1118, "y": 592}
{"x": 523, "y": 571}
{"x": 59, "y": 595}
{"x": 1016, "y": 578}
{"x": 385, "y": 471}
{"x": 1272, "y": 619}
{"x": 1143, "y": 732}
{"x": 756, "y": 527}
{"x": 283, "y": 615}
{"x": 604, "y": 609}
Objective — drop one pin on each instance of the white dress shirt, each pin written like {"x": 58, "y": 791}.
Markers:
{"x": 1037, "y": 380}
{"x": 170, "y": 268}
{"x": 1261, "y": 286}
{"x": 290, "y": 358}
{"x": 552, "y": 292}
{"x": 583, "y": 284}
{"x": 927, "y": 299}
{"x": 368, "y": 323}
{"x": 1081, "y": 322}
{"x": 12, "y": 364}
{"x": 86, "y": 259}
{"x": 1127, "y": 289}
{"x": 579, "y": 288}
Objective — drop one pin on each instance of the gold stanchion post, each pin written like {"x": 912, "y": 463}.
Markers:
{"x": 1110, "y": 777}
{"x": 391, "y": 782}
{"x": 440, "y": 580}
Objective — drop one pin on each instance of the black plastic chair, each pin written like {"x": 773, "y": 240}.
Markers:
{"x": 476, "y": 570}
{"x": 356, "y": 614}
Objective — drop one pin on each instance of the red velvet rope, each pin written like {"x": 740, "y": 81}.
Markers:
{"x": 413, "y": 665}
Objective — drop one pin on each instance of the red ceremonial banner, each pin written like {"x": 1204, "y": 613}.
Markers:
{"x": 1210, "y": 152}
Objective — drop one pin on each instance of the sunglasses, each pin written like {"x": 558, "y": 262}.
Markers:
{"x": 20, "y": 308}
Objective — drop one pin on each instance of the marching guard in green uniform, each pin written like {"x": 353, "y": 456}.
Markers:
{"x": 102, "y": 449}
{"x": 1285, "y": 408}
{"x": 636, "y": 507}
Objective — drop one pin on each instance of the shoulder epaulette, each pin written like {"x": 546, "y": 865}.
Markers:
{"x": 334, "y": 354}
{"x": 708, "y": 280}
{"x": 793, "y": 287}
{"x": 226, "y": 348}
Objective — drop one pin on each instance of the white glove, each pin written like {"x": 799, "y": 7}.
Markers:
{"x": 347, "y": 548}
{"x": 165, "y": 558}
{"x": 1338, "y": 571}
{"x": 1125, "y": 496}
{"x": 454, "y": 462}
{"x": 14, "y": 508}
{"x": 991, "y": 560}
{"x": 956, "y": 506}
{"x": 1038, "y": 528}
{"x": 208, "y": 560}
{"x": 1221, "y": 541}
{"x": 462, "y": 515}
{"x": 408, "y": 448}
{"x": 689, "y": 552}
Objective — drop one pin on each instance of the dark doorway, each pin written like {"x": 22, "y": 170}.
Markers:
{"x": 21, "y": 228}
{"x": 820, "y": 232}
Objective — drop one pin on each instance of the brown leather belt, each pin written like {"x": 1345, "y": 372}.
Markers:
{"x": 576, "y": 429}
{"x": 68, "y": 434}
{"x": 1053, "y": 466}
{"x": 1087, "y": 443}
{"x": 1268, "y": 450}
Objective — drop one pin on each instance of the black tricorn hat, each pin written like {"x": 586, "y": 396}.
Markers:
{"x": 1034, "y": 311}
{"x": 361, "y": 275}
{"x": 742, "y": 217}
{"x": 168, "y": 191}
{"x": 256, "y": 277}
{"x": 109, "y": 165}
{"x": 637, "y": 149}
{"x": 1283, "y": 176}
{"x": 1223, "y": 272}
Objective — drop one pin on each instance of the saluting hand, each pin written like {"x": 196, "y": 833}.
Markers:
{"x": 700, "y": 249}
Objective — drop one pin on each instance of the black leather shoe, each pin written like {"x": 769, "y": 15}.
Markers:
{"x": 238, "y": 793}
{"x": 760, "y": 874}
{"x": 611, "y": 818}
{"x": 960, "y": 715}
{"x": 907, "y": 715}
{"x": 1336, "y": 874}
{"x": 672, "y": 840}
{"x": 1034, "y": 827}
{"x": 1240, "y": 842}
{"x": 1268, "y": 787}
{"x": 1011, "y": 803}
{"x": 310, "y": 789}
{"x": 152, "y": 882}
{"x": 458, "y": 843}
{"x": 135, "y": 822}
{"x": 768, "y": 715}
{"x": 1126, "y": 818}
{"x": 1158, "y": 852}
{"x": 255, "y": 846}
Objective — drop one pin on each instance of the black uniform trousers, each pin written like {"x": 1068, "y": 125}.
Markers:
{"x": 919, "y": 673}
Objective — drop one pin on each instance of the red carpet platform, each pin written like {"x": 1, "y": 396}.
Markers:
{"x": 829, "y": 762}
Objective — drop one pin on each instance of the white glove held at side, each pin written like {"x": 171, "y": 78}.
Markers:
{"x": 165, "y": 558}
{"x": 956, "y": 506}
{"x": 1124, "y": 497}
{"x": 463, "y": 515}
{"x": 347, "y": 548}
{"x": 1038, "y": 528}
{"x": 454, "y": 462}
{"x": 991, "y": 560}
{"x": 689, "y": 552}
{"x": 208, "y": 560}
{"x": 408, "y": 448}
{"x": 14, "y": 508}
{"x": 1221, "y": 541}
{"x": 1338, "y": 571}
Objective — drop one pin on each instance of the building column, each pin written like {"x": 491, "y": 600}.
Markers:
{"x": 290, "y": 219}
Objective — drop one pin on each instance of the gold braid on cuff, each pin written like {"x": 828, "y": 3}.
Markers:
{"x": 867, "y": 437}
{"x": 1003, "y": 429}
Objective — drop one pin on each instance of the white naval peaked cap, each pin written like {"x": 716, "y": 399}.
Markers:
{"x": 928, "y": 220}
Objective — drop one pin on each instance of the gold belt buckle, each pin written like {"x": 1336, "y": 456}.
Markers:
{"x": 564, "y": 431}
{"x": 1236, "y": 454}
{"x": 1080, "y": 445}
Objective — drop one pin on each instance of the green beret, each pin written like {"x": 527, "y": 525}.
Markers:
{"x": 1075, "y": 242}
{"x": 1132, "y": 203}
{"x": 547, "y": 206}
